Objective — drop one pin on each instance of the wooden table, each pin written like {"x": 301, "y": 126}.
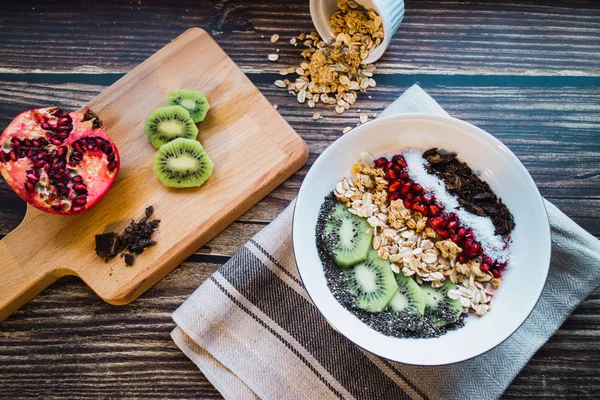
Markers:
{"x": 527, "y": 72}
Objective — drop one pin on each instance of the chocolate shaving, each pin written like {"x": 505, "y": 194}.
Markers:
{"x": 135, "y": 238}
{"x": 474, "y": 194}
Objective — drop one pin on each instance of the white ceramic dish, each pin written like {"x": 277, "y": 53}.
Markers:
{"x": 496, "y": 164}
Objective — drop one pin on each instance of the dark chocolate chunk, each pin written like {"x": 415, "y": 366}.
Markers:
{"x": 129, "y": 259}
{"x": 108, "y": 244}
{"x": 135, "y": 238}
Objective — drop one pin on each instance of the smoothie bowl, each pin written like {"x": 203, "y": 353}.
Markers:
{"x": 422, "y": 239}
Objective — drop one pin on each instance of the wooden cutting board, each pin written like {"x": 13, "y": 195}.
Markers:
{"x": 252, "y": 146}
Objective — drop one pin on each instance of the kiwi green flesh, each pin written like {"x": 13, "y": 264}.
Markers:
{"x": 193, "y": 101}
{"x": 409, "y": 297}
{"x": 169, "y": 123}
{"x": 435, "y": 296}
{"x": 352, "y": 236}
{"x": 372, "y": 283}
{"x": 182, "y": 163}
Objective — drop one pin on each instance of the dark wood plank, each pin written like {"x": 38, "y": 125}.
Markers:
{"x": 449, "y": 37}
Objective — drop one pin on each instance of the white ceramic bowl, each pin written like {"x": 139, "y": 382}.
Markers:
{"x": 496, "y": 164}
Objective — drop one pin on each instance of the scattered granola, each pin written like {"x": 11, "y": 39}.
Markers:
{"x": 273, "y": 57}
{"x": 333, "y": 73}
{"x": 274, "y": 38}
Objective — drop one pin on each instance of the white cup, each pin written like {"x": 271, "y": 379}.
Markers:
{"x": 391, "y": 12}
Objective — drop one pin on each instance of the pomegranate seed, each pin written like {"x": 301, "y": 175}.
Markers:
{"x": 419, "y": 208}
{"x": 99, "y": 142}
{"x": 112, "y": 166}
{"x": 13, "y": 156}
{"x": 77, "y": 208}
{"x": 107, "y": 148}
{"x": 496, "y": 273}
{"x": 391, "y": 174}
{"x": 57, "y": 207}
{"x": 397, "y": 170}
{"x": 406, "y": 188}
{"x": 389, "y": 166}
{"x": 77, "y": 179}
{"x": 404, "y": 176}
{"x": 62, "y": 151}
{"x": 56, "y": 112}
{"x": 32, "y": 178}
{"x": 46, "y": 126}
{"x": 469, "y": 233}
{"x": 27, "y": 143}
{"x": 80, "y": 201}
{"x": 394, "y": 196}
{"x": 30, "y": 186}
{"x": 402, "y": 162}
{"x": 408, "y": 197}
{"x": 64, "y": 121}
{"x": 455, "y": 239}
{"x": 461, "y": 259}
{"x": 407, "y": 204}
{"x": 79, "y": 187}
{"x": 427, "y": 198}
{"x": 484, "y": 267}
{"x": 436, "y": 222}
{"x": 15, "y": 142}
{"x": 55, "y": 141}
{"x": 379, "y": 163}
{"x": 462, "y": 232}
{"x": 443, "y": 234}
{"x": 417, "y": 188}
{"x": 91, "y": 144}
{"x": 433, "y": 210}
{"x": 452, "y": 225}
{"x": 501, "y": 265}
{"x": 61, "y": 135}
{"x": 2, "y": 156}
{"x": 39, "y": 163}
{"x": 487, "y": 260}
{"x": 394, "y": 187}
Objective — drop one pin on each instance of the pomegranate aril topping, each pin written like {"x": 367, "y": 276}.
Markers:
{"x": 406, "y": 188}
{"x": 496, "y": 273}
{"x": 487, "y": 260}
{"x": 417, "y": 188}
{"x": 39, "y": 163}
{"x": 394, "y": 196}
{"x": 427, "y": 198}
{"x": 404, "y": 176}
{"x": 484, "y": 267}
{"x": 391, "y": 174}
{"x": 433, "y": 210}
{"x": 436, "y": 222}
{"x": 462, "y": 232}
{"x": 461, "y": 259}
{"x": 394, "y": 187}
{"x": 452, "y": 225}
{"x": 381, "y": 162}
{"x": 443, "y": 234}
{"x": 419, "y": 208}
{"x": 389, "y": 166}
{"x": 408, "y": 197}
{"x": 407, "y": 204}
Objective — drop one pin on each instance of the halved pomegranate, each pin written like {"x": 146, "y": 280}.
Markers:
{"x": 58, "y": 162}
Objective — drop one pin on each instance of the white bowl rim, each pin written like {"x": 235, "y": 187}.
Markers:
{"x": 441, "y": 118}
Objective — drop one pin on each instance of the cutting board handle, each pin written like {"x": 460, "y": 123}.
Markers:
{"x": 18, "y": 282}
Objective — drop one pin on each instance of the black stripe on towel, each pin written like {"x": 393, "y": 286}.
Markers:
{"x": 342, "y": 359}
{"x": 278, "y": 336}
{"x": 272, "y": 259}
{"x": 386, "y": 362}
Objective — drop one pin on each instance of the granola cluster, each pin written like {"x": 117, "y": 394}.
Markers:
{"x": 333, "y": 73}
{"x": 402, "y": 236}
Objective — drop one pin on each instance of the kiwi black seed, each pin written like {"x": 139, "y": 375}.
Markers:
{"x": 169, "y": 123}
{"x": 195, "y": 102}
{"x": 182, "y": 163}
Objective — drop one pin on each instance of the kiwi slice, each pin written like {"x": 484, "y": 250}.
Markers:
{"x": 182, "y": 163}
{"x": 409, "y": 297}
{"x": 434, "y": 297}
{"x": 351, "y": 236}
{"x": 372, "y": 283}
{"x": 193, "y": 101}
{"x": 169, "y": 123}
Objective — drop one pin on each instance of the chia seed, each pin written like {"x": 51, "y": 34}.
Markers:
{"x": 387, "y": 322}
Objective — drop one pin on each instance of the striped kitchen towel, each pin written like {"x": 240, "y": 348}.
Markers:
{"x": 253, "y": 331}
